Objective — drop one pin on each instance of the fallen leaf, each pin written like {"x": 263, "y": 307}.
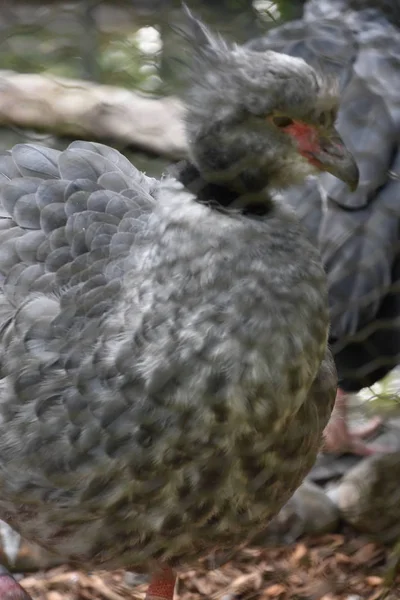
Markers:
{"x": 300, "y": 552}
{"x": 364, "y": 554}
{"x": 374, "y": 580}
{"x": 342, "y": 558}
{"x": 275, "y": 590}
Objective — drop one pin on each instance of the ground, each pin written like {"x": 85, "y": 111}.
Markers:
{"x": 331, "y": 567}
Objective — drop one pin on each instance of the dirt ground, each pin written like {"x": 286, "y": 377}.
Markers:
{"x": 331, "y": 567}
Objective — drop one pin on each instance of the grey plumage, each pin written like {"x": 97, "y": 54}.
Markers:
{"x": 358, "y": 234}
{"x": 165, "y": 372}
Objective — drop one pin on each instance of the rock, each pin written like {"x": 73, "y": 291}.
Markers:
{"x": 330, "y": 467}
{"x": 368, "y": 497}
{"x": 133, "y": 579}
{"x": 309, "y": 511}
{"x": 389, "y": 436}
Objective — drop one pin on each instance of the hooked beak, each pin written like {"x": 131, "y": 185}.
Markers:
{"x": 326, "y": 151}
{"x": 333, "y": 156}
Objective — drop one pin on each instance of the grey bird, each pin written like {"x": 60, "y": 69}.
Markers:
{"x": 358, "y": 42}
{"x": 165, "y": 374}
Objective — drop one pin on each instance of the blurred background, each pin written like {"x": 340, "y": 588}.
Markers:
{"x": 113, "y": 71}
{"x": 128, "y": 44}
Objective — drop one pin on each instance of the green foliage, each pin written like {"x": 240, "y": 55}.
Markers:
{"x": 119, "y": 58}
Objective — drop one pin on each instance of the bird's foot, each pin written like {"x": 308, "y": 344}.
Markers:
{"x": 339, "y": 439}
{"x": 10, "y": 588}
{"x": 162, "y": 585}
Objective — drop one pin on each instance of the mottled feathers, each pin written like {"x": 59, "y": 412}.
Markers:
{"x": 165, "y": 377}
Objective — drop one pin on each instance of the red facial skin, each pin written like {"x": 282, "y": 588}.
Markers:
{"x": 307, "y": 139}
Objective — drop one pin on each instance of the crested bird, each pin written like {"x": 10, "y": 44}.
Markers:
{"x": 165, "y": 372}
{"x": 358, "y": 43}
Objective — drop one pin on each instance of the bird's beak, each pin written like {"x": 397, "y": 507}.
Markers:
{"x": 332, "y": 155}
{"x": 325, "y": 150}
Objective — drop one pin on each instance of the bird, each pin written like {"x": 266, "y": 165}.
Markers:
{"x": 165, "y": 373}
{"x": 357, "y": 232}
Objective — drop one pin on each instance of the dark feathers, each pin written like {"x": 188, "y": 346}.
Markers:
{"x": 358, "y": 234}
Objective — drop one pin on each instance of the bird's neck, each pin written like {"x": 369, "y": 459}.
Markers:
{"x": 246, "y": 194}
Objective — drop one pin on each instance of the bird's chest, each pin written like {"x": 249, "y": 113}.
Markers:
{"x": 216, "y": 495}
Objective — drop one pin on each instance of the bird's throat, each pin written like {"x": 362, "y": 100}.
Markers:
{"x": 222, "y": 196}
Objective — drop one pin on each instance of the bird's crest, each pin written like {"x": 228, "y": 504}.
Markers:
{"x": 206, "y": 47}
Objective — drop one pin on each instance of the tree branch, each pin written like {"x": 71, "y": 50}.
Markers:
{"x": 90, "y": 111}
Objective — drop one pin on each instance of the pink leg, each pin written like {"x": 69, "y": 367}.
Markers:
{"x": 338, "y": 437}
{"x": 162, "y": 585}
{"x": 9, "y": 588}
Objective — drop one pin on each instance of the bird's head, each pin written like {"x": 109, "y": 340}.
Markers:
{"x": 257, "y": 120}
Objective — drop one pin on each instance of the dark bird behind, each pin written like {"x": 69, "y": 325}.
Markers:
{"x": 357, "y": 41}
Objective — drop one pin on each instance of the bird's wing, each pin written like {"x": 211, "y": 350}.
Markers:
{"x": 68, "y": 220}
{"x": 357, "y": 232}
{"x": 64, "y": 217}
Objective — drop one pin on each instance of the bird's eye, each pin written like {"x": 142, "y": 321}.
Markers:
{"x": 327, "y": 119}
{"x": 282, "y": 121}
{"x": 324, "y": 119}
